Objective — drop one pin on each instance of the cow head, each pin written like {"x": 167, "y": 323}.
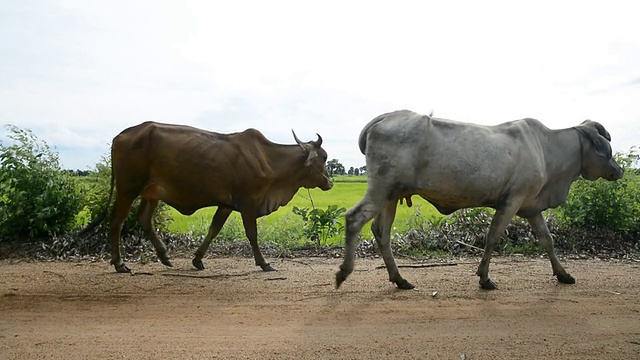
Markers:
{"x": 315, "y": 162}
{"x": 597, "y": 160}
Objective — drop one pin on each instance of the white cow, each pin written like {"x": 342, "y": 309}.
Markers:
{"x": 518, "y": 168}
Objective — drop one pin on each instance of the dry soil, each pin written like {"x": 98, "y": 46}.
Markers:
{"x": 232, "y": 310}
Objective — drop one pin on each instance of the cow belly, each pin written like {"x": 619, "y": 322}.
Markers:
{"x": 186, "y": 200}
{"x": 448, "y": 202}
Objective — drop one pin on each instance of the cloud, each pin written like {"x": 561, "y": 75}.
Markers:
{"x": 634, "y": 82}
{"x": 80, "y": 72}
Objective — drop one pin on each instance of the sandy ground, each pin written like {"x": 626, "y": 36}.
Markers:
{"x": 58, "y": 310}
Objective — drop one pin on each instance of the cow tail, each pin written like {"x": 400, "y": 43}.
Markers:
{"x": 362, "y": 140}
{"x": 88, "y": 231}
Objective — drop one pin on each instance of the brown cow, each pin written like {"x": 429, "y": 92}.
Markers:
{"x": 190, "y": 168}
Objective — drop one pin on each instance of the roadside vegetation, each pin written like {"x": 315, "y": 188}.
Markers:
{"x": 43, "y": 208}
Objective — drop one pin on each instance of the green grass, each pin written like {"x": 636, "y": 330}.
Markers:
{"x": 346, "y": 192}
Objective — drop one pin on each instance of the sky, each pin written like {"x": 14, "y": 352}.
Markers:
{"x": 78, "y": 72}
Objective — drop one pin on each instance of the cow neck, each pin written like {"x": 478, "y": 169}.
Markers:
{"x": 286, "y": 165}
{"x": 287, "y": 162}
{"x": 560, "y": 159}
{"x": 562, "y": 167}
{"x": 580, "y": 133}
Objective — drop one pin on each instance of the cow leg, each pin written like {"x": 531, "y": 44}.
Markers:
{"x": 355, "y": 219}
{"x": 121, "y": 208}
{"x": 145, "y": 217}
{"x": 544, "y": 237}
{"x": 251, "y": 230}
{"x": 381, "y": 228}
{"x": 499, "y": 223}
{"x": 220, "y": 217}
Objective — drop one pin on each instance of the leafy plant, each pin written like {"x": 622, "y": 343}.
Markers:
{"x": 37, "y": 199}
{"x": 612, "y": 205}
{"x": 320, "y": 224}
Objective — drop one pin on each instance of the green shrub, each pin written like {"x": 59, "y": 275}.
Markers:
{"x": 611, "y": 205}
{"x": 321, "y": 224}
{"x": 36, "y": 198}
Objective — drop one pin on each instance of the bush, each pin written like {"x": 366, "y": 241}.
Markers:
{"x": 321, "y": 224}
{"x": 610, "y": 205}
{"x": 36, "y": 198}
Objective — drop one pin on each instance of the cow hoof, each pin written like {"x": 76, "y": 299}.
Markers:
{"x": 197, "y": 263}
{"x": 166, "y": 262}
{"x": 122, "y": 268}
{"x": 341, "y": 276}
{"x": 488, "y": 284}
{"x": 566, "y": 278}
{"x": 404, "y": 284}
{"x": 267, "y": 267}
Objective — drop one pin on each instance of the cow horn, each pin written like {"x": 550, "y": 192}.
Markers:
{"x": 297, "y": 140}
{"x": 319, "y": 141}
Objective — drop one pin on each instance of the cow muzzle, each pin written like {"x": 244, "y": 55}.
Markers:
{"x": 616, "y": 174}
{"x": 327, "y": 185}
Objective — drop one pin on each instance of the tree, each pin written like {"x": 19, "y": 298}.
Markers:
{"x": 334, "y": 167}
{"x": 363, "y": 170}
{"x": 351, "y": 171}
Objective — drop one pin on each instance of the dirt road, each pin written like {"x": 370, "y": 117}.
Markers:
{"x": 232, "y": 310}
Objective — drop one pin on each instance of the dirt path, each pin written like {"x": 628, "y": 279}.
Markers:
{"x": 85, "y": 310}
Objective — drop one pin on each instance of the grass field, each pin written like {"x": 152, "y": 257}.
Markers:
{"x": 346, "y": 192}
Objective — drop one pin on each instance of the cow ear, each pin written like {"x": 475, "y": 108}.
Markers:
{"x": 598, "y": 136}
{"x": 602, "y": 147}
{"x": 312, "y": 155}
{"x": 602, "y": 131}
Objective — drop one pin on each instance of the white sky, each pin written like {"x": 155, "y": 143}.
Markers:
{"x": 79, "y": 72}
